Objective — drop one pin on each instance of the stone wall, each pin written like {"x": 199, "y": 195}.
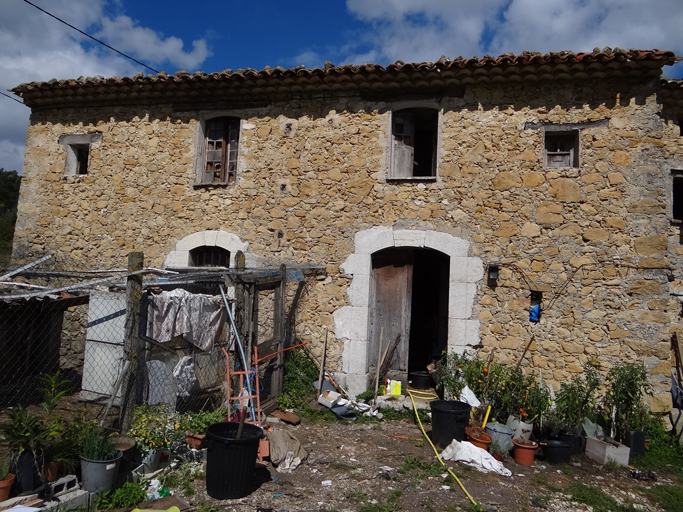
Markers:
{"x": 595, "y": 240}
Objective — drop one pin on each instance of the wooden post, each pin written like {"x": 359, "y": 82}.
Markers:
{"x": 133, "y": 344}
{"x": 241, "y": 296}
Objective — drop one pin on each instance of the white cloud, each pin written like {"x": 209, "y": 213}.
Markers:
{"x": 423, "y": 30}
{"x": 127, "y": 36}
{"x": 310, "y": 59}
{"x": 36, "y": 47}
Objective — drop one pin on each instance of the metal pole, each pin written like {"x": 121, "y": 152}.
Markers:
{"x": 241, "y": 350}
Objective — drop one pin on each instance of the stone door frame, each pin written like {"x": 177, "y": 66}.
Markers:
{"x": 352, "y": 321}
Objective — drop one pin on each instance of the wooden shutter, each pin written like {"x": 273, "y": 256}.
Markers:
{"x": 403, "y": 150}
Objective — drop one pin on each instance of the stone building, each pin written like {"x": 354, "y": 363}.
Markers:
{"x": 445, "y": 199}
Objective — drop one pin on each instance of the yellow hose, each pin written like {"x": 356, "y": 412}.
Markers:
{"x": 425, "y": 395}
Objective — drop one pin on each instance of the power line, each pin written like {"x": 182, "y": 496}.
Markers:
{"x": 91, "y": 37}
{"x": 10, "y": 97}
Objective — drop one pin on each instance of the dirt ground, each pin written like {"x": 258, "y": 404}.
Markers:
{"x": 353, "y": 466}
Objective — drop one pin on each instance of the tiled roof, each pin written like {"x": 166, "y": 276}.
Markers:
{"x": 367, "y": 79}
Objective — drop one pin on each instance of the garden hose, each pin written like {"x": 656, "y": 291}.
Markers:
{"x": 426, "y": 395}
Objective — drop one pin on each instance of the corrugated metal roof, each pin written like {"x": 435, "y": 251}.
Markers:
{"x": 273, "y": 83}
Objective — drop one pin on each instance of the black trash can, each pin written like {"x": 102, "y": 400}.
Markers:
{"x": 558, "y": 452}
{"x": 635, "y": 440}
{"x": 449, "y": 419}
{"x": 230, "y": 461}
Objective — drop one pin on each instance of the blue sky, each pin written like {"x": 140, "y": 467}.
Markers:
{"x": 215, "y": 35}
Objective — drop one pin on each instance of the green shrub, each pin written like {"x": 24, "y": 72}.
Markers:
{"x": 300, "y": 371}
{"x": 128, "y": 495}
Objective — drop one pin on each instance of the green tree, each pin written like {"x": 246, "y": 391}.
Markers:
{"x": 9, "y": 197}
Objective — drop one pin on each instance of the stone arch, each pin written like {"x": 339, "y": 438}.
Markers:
{"x": 180, "y": 257}
{"x": 352, "y": 321}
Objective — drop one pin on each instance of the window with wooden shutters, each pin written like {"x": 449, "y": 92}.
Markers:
{"x": 677, "y": 196}
{"x": 561, "y": 149}
{"x": 414, "y": 138}
{"x": 222, "y": 137}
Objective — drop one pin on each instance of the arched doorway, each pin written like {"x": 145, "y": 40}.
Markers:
{"x": 409, "y": 308}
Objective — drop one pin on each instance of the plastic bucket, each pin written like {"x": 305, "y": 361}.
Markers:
{"x": 420, "y": 380}
{"x": 230, "y": 461}
{"x": 558, "y": 452}
{"x": 449, "y": 419}
{"x": 99, "y": 475}
{"x": 501, "y": 434}
{"x": 635, "y": 440}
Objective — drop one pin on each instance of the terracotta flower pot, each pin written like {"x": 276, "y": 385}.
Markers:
{"x": 478, "y": 437}
{"x": 51, "y": 470}
{"x": 6, "y": 486}
{"x": 524, "y": 451}
{"x": 195, "y": 441}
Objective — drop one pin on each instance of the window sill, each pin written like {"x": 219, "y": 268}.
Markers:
{"x": 219, "y": 184}
{"x": 411, "y": 178}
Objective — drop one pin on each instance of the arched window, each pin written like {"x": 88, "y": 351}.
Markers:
{"x": 209, "y": 256}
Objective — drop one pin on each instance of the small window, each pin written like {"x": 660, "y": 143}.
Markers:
{"x": 221, "y": 142}
{"x": 677, "y": 196}
{"x": 414, "y": 137}
{"x": 77, "y": 148}
{"x": 561, "y": 149}
{"x": 209, "y": 256}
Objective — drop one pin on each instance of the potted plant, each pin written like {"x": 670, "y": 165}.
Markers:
{"x": 58, "y": 455}
{"x": 478, "y": 437}
{"x": 450, "y": 416}
{"x": 527, "y": 401}
{"x": 194, "y": 425}
{"x": 524, "y": 451}
{"x": 625, "y": 411}
{"x": 575, "y": 401}
{"x": 6, "y": 479}
{"x": 498, "y": 453}
{"x": 27, "y": 434}
{"x": 99, "y": 462}
{"x": 154, "y": 428}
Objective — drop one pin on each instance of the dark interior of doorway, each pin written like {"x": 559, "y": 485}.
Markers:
{"x": 429, "y": 311}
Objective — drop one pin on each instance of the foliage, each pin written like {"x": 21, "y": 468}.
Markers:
{"x": 627, "y": 385}
{"x": 419, "y": 469}
{"x": 668, "y": 497}
{"x": 9, "y": 197}
{"x": 26, "y": 431}
{"x": 664, "y": 453}
{"x": 154, "y": 426}
{"x": 97, "y": 447}
{"x": 495, "y": 449}
{"x": 449, "y": 373}
{"x": 182, "y": 477}
{"x": 4, "y": 469}
{"x": 62, "y": 451}
{"x": 299, "y": 373}
{"x": 78, "y": 429}
{"x": 128, "y": 495}
{"x": 196, "y": 422}
{"x": 54, "y": 390}
{"x": 576, "y": 399}
{"x": 595, "y": 498}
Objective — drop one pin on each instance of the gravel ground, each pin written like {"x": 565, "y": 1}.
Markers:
{"x": 354, "y": 466}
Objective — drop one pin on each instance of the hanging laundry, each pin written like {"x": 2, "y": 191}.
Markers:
{"x": 195, "y": 317}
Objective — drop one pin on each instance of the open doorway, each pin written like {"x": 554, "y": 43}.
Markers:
{"x": 408, "y": 308}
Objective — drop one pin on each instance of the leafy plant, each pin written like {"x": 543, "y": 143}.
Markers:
{"x": 154, "y": 426}
{"x": 4, "y": 468}
{"x": 25, "y": 430}
{"x": 128, "y": 495}
{"x": 54, "y": 390}
{"x": 299, "y": 373}
{"x": 624, "y": 408}
{"x": 198, "y": 421}
{"x": 449, "y": 373}
{"x": 495, "y": 449}
{"x": 97, "y": 447}
{"x": 576, "y": 399}
{"x": 78, "y": 429}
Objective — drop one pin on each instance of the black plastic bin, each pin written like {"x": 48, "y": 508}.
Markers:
{"x": 635, "y": 440}
{"x": 449, "y": 419}
{"x": 558, "y": 452}
{"x": 229, "y": 461}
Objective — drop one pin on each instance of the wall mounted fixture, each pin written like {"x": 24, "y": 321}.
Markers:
{"x": 493, "y": 274}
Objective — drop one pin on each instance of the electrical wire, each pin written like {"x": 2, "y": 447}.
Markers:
{"x": 91, "y": 37}
{"x": 10, "y": 97}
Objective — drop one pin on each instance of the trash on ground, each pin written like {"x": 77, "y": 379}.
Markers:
{"x": 479, "y": 459}
{"x": 286, "y": 452}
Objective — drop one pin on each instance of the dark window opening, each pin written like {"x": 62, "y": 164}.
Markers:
{"x": 414, "y": 133}
{"x": 677, "y": 199}
{"x": 221, "y": 145}
{"x": 209, "y": 256}
{"x": 81, "y": 156}
{"x": 561, "y": 149}
{"x": 536, "y": 297}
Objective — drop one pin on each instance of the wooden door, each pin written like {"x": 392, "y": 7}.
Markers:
{"x": 392, "y": 285}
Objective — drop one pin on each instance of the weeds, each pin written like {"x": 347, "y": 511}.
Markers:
{"x": 595, "y": 498}
{"x": 540, "y": 501}
{"x": 567, "y": 469}
{"x": 542, "y": 480}
{"x": 358, "y": 496}
{"x": 668, "y": 497}
{"x": 419, "y": 469}
{"x": 340, "y": 466}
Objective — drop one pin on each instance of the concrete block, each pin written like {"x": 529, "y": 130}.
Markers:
{"x": 374, "y": 239}
{"x": 602, "y": 452}
{"x": 210, "y": 238}
{"x": 356, "y": 383}
{"x": 447, "y": 244}
{"x": 351, "y": 323}
{"x": 355, "y": 356}
{"x": 409, "y": 238}
{"x": 177, "y": 259}
{"x": 359, "y": 291}
{"x": 458, "y": 270}
{"x": 191, "y": 241}
{"x": 357, "y": 264}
